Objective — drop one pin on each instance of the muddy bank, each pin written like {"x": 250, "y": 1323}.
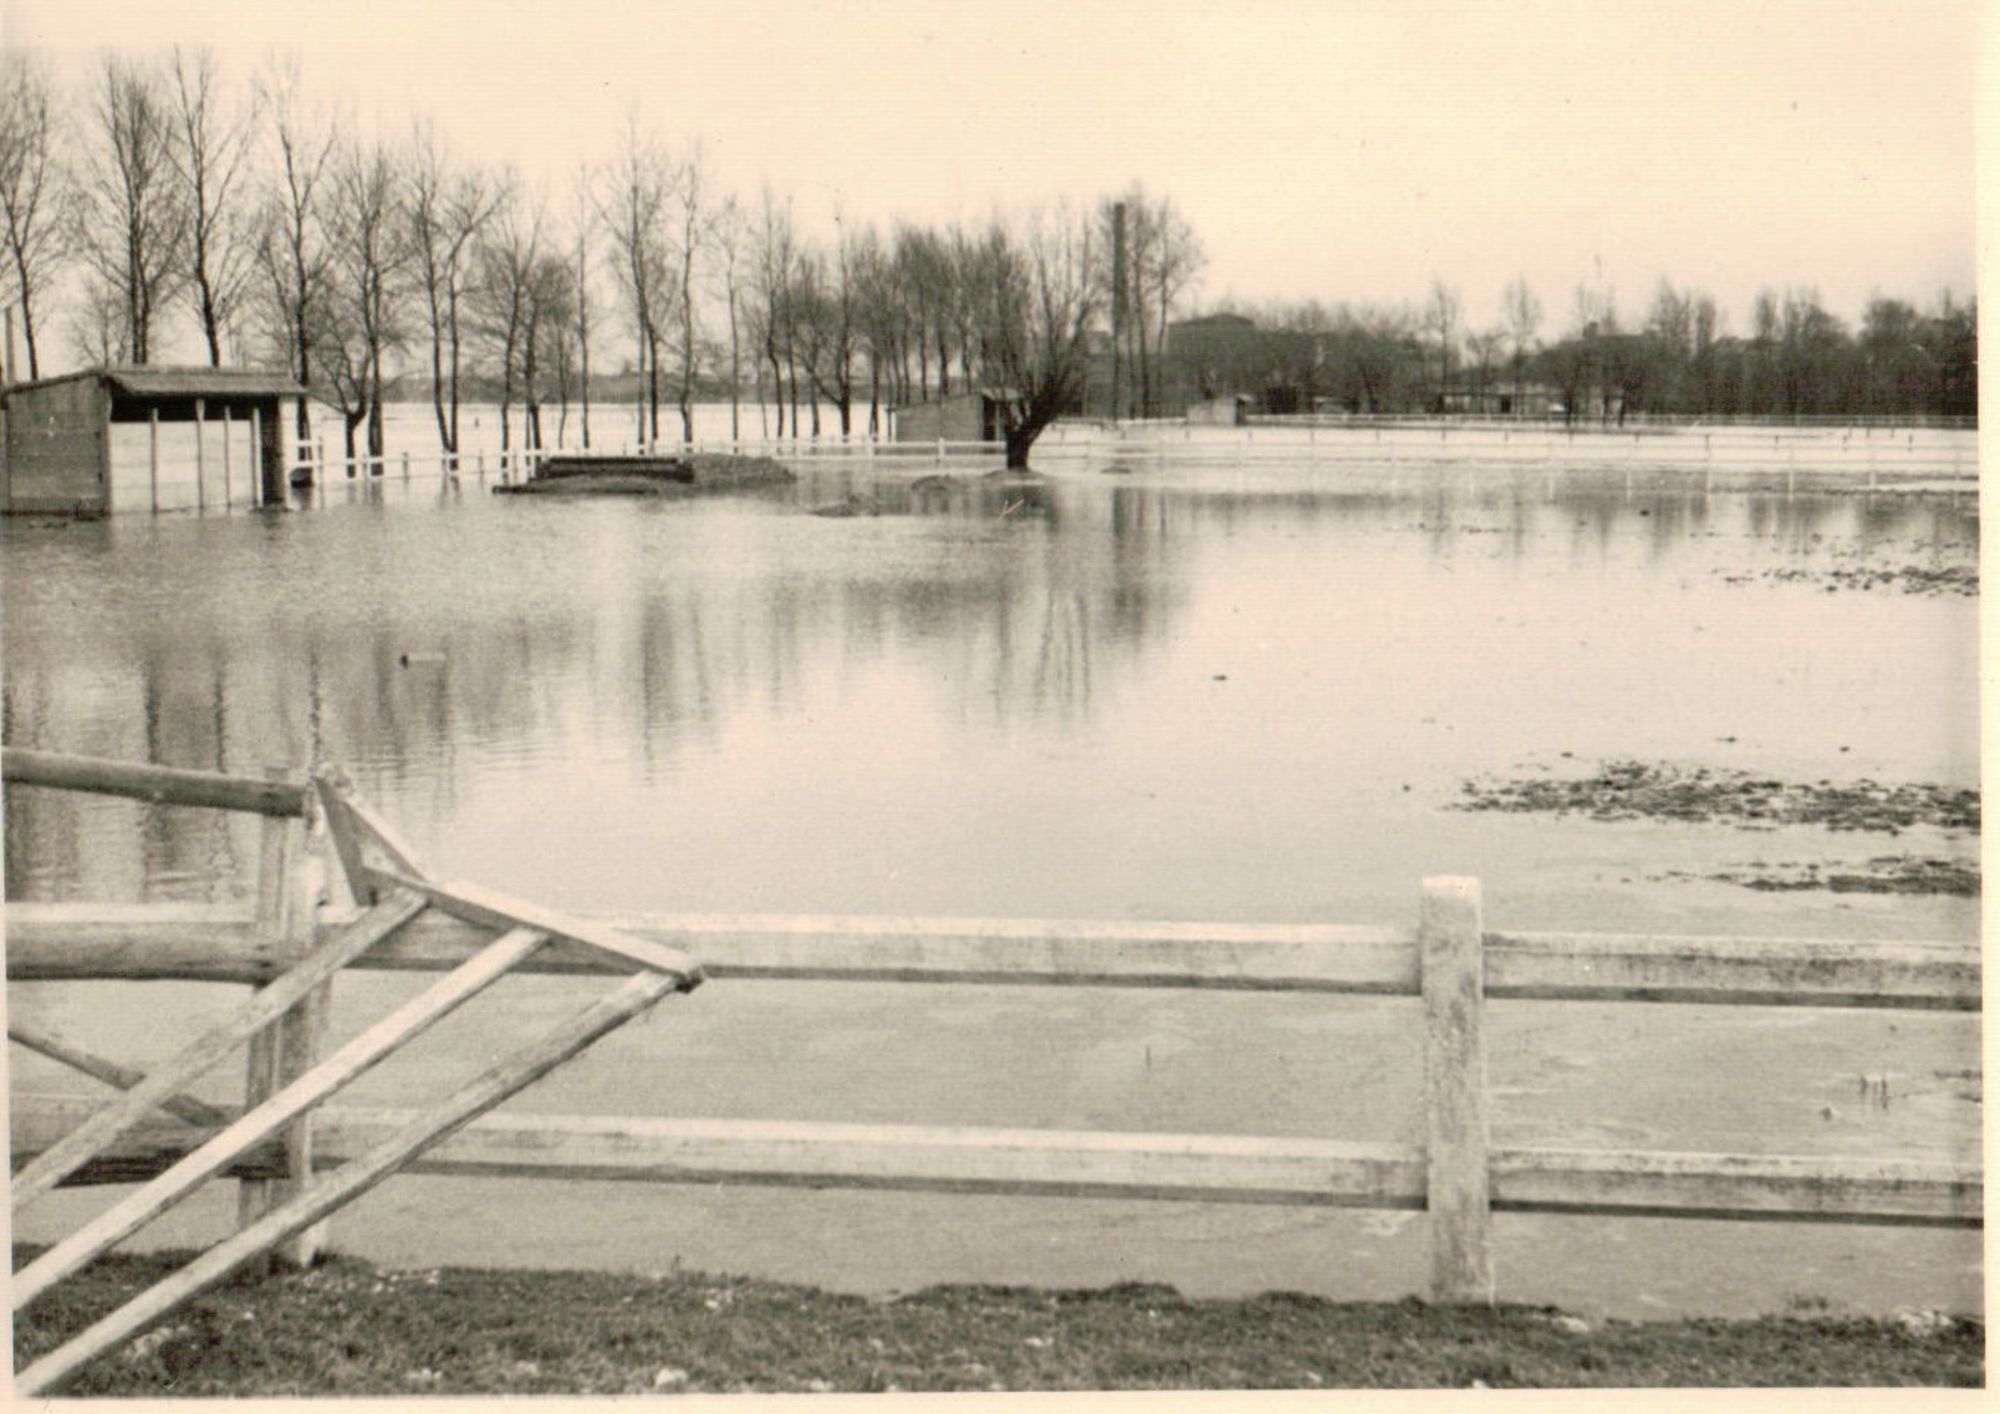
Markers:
{"x": 1639, "y": 790}
{"x": 650, "y": 476}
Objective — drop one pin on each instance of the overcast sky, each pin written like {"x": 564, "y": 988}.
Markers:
{"x": 1341, "y": 150}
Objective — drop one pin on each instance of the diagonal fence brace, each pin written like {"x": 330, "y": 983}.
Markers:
{"x": 348, "y": 1182}
{"x": 88, "y": 1139}
{"x": 323, "y": 1081}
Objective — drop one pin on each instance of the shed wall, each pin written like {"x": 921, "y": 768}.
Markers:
{"x": 55, "y": 447}
{"x": 224, "y": 481}
{"x": 952, "y": 419}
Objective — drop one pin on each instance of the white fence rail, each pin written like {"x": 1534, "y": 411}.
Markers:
{"x": 1868, "y": 454}
{"x": 1853, "y": 451}
{"x": 1449, "y": 960}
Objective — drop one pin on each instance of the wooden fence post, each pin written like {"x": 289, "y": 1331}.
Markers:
{"x": 1450, "y": 942}
{"x": 289, "y": 883}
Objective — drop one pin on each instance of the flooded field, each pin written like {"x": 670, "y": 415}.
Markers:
{"x": 1239, "y": 693}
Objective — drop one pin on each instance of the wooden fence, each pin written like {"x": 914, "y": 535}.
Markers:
{"x": 1851, "y": 453}
{"x": 1450, "y": 960}
{"x": 282, "y": 1204}
{"x": 522, "y": 463}
{"x": 1856, "y": 451}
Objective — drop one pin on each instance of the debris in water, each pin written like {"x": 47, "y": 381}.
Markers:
{"x": 1638, "y": 790}
{"x": 1884, "y": 874}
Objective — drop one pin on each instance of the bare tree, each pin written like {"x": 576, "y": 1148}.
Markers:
{"x": 1484, "y": 346}
{"x": 878, "y": 306}
{"x": 134, "y": 220}
{"x": 731, "y": 238}
{"x": 367, "y": 257}
{"x": 582, "y": 297}
{"x": 34, "y": 186}
{"x": 210, "y": 150}
{"x": 1034, "y": 298}
{"x": 511, "y": 308}
{"x": 550, "y": 340}
{"x": 291, "y": 245}
{"x": 927, "y": 278}
{"x": 97, "y": 324}
{"x": 444, "y": 208}
{"x": 827, "y": 319}
{"x": 695, "y": 218}
{"x": 776, "y": 256}
{"x": 1161, "y": 258}
{"x": 634, "y": 207}
{"x": 1176, "y": 262}
{"x": 1521, "y": 312}
{"x": 1441, "y": 319}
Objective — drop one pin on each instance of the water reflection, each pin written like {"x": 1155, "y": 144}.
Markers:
{"x": 1090, "y": 644}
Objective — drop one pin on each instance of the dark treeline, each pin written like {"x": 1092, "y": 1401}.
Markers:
{"x": 151, "y": 204}
{"x": 1795, "y": 360}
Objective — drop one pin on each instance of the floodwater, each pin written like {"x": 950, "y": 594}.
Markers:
{"x": 1188, "y": 692}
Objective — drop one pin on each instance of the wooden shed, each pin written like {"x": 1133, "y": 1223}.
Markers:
{"x": 962, "y": 417}
{"x": 147, "y": 439}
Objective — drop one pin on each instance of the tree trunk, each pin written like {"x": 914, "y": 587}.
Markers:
{"x": 652, "y": 386}
{"x": 735, "y": 374}
{"x": 453, "y": 444}
{"x": 28, "y": 330}
{"x": 437, "y": 374}
{"x": 1019, "y": 440}
{"x": 583, "y": 350}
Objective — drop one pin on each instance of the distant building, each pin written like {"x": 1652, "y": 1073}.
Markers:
{"x": 1499, "y": 397}
{"x": 1232, "y": 411}
{"x": 962, "y": 417}
{"x": 140, "y": 439}
{"x": 1216, "y": 354}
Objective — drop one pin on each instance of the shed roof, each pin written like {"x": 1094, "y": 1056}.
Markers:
{"x": 202, "y": 382}
{"x": 990, "y": 394}
{"x": 160, "y": 381}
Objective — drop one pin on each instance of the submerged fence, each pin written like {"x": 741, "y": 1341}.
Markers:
{"x": 1853, "y": 451}
{"x": 1449, "y": 959}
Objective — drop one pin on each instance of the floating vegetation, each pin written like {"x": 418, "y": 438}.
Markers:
{"x": 1638, "y": 790}
{"x": 1906, "y": 579}
{"x": 1884, "y": 874}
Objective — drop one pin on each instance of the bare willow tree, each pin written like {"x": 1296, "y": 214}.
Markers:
{"x": 34, "y": 186}
{"x": 1034, "y": 298}
{"x": 133, "y": 223}
{"x": 444, "y": 208}
{"x": 210, "y": 148}
{"x": 505, "y": 309}
{"x": 291, "y": 245}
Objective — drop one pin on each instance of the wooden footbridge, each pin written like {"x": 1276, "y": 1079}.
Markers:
{"x": 337, "y": 887}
